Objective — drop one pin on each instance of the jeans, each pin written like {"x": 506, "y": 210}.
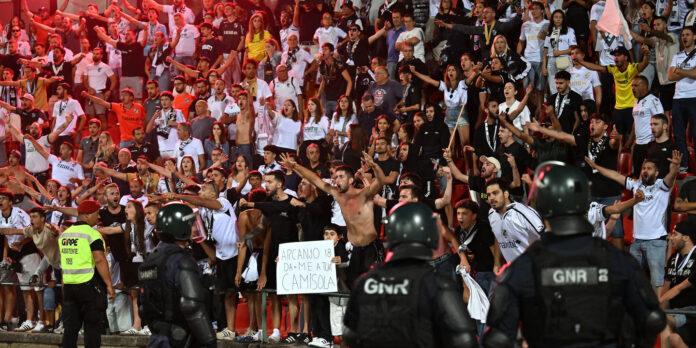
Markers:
{"x": 452, "y": 116}
{"x": 487, "y": 282}
{"x": 683, "y": 114}
{"x": 391, "y": 68}
{"x": 162, "y": 80}
{"x": 534, "y": 76}
{"x": 248, "y": 152}
{"x": 653, "y": 252}
{"x": 552, "y": 70}
{"x": 446, "y": 265}
{"x": 617, "y": 232}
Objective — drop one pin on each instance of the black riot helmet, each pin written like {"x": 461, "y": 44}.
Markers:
{"x": 175, "y": 219}
{"x": 562, "y": 195}
{"x": 411, "y": 231}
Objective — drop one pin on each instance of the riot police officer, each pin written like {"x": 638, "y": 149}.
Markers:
{"x": 404, "y": 303}
{"x": 172, "y": 299}
{"x": 570, "y": 289}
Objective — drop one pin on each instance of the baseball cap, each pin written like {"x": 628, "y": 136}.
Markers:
{"x": 491, "y": 159}
{"x": 687, "y": 228}
{"x": 28, "y": 96}
{"x": 88, "y": 206}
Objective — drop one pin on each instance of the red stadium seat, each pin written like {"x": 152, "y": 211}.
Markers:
{"x": 628, "y": 229}
{"x": 624, "y": 165}
{"x": 676, "y": 218}
{"x": 626, "y": 195}
{"x": 673, "y": 194}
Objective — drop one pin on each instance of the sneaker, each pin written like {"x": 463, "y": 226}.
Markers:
{"x": 59, "y": 330}
{"x": 257, "y": 336}
{"x": 250, "y": 332}
{"x": 275, "y": 337}
{"x": 226, "y": 334}
{"x": 4, "y": 326}
{"x": 303, "y": 339}
{"x": 145, "y": 331}
{"x": 130, "y": 331}
{"x": 320, "y": 343}
{"x": 27, "y": 325}
{"x": 290, "y": 339}
{"x": 39, "y": 327}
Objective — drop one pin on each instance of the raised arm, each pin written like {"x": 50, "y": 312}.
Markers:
{"x": 674, "y": 163}
{"x": 97, "y": 100}
{"x": 188, "y": 71}
{"x": 56, "y": 133}
{"x": 42, "y": 26}
{"x": 40, "y": 149}
{"x": 376, "y": 184}
{"x": 556, "y": 134}
{"x": 160, "y": 170}
{"x": 645, "y": 51}
{"x": 454, "y": 170}
{"x": 591, "y": 66}
{"x": 110, "y": 172}
{"x": 305, "y": 173}
{"x": 101, "y": 33}
{"x": 621, "y": 207}
{"x": 7, "y": 107}
{"x": 608, "y": 173}
{"x": 154, "y": 4}
{"x": 446, "y": 198}
{"x": 516, "y": 132}
{"x": 423, "y": 77}
{"x": 209, "y": 203}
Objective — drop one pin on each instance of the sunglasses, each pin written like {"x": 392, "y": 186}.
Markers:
{"x": 15, "y": 30}
{"x": 353, "y": 29}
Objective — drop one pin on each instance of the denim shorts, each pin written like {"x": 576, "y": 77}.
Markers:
{"x": 451, "y": 118}
{"x": 654, "y": 252}
{"x": 535, "y": 76}
{"x": 680, "y": 319}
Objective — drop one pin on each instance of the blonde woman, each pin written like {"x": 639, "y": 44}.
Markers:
{"x": 517, "y": 66}
{"x": 107, "y": 151}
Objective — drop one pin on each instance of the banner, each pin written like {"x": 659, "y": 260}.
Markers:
{"x": 306, "y": 268}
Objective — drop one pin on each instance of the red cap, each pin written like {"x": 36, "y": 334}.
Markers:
{"x": 88, "y": 206}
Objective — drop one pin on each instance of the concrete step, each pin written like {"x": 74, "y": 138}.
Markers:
{"x": 46, "y": 340}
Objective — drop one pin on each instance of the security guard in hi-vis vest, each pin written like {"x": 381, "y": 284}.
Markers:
{"x": 172, "y": 298}
{"x": 86, "y": 278}
{"x": 570, "y": 289}
{"x": 404, "y": 303}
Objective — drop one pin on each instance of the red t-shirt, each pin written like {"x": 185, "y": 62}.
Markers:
{"x": 128, "y": 119}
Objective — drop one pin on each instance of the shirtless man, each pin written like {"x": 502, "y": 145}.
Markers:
{"x": 356, "y": 207}
{"x": 15, "y": 169}
{"x": 253, "y": 232}
{"x": 245, "y": 123}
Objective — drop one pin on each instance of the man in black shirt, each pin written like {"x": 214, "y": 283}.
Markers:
{"x": 232, "y": 33}
{"x": 411, "y": 100}
{"x": 486, "y": 136}
{"x": 662, "y": 146}
{"x": 28, "y": 114}
{"x": 114, "y": 214}
{"x": 12, "y": 59}
{"x": 389, "y": 165}
{"x": 354, "y": 52}
{"x": 133, "y": 66}
{"x": 566, "y": 102}
{"x": 369, "y": 113}
{"x": 335, "y": 79}
{"x": 523, "y": 160}
{"x": 680, "y": 267}
{"x": 142, "y": 147}
{"x": 211, "y": 47}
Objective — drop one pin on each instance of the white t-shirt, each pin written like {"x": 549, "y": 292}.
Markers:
{"x": 595, "y": 216}
{"x": 189, "y": 17}
{"x": 583, "y": 81}
{"x": 686, "y": 87}
{"x": 18, "y": 219}
{"x": 64, "y": 170}
{"x": 605, "y": 45}
{"x": 285, "y": 32}
{"x": 316, "y": 131}
{"x": 331, "y": 35}
{"x": 168, "y": 143}
{"x": 217, "y": 107}
{"x": 262, "y": 92}
{"x": 142, "y": 199}
{"x": 650, "y": 214}
{"x": 419, "y": 48}
{"x": 297, "y": 63}
{"x": 187, "y": 41}
{"x": 643, "y": 111}
{"x": 287, "y": 132}
{"x": 564, "y": 42}
{"x": 35, "y": 162}
{"x": 534, "y": 47}
{"x": 522, "y": 118}
{"x": 193, "y": 149}
{"x": 282, "y": 91}
{"x": 82, "y": 66}
{"x": 342, "y": 125}
{"x": 456, "y": 97}
{"x": 516, "y": 230}
{"x": 97, "y": 75}
{"x": 597, "y": 10}
{"x": 63, "y": 108}
{"x": 115, "y": 59}
{"x": 224, "y": 225}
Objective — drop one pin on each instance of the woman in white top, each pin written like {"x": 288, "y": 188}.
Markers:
{"x": 134, "y": 236}
{"x": 238, "y": 178}
{"x": 63, "y": 199}
{"x": 454, "y": 88}
{"x": 341, "y": 121}
{"x": 288, "y": 127}
{"x": 315, "y": 131}
{"x": 557, "y": 44}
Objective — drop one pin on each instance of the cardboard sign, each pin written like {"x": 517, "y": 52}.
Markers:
{"x": 306, "y": 268}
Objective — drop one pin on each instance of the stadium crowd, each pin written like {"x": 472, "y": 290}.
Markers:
{"x": 312, "y": 119}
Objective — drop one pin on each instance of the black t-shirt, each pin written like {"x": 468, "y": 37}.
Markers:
{"x": 677, "y": 270}
{"x": 27, "y": 117}
{"x": 211, "y": 48}
{"x": 232, "y": 33}
{"x": 354, "y": 54}
{"x": 117, "y": 242}
{"x": 688, "y": 191}
{"x": 12, "y": 61}
{"x": 132, "y": 59}
{"x": 523, "y": 160}
{"x": 412, "y": 96}
{"x": 123, "y": 186}
{"x": 601, "y": 185}
{"x": 550, "y": 150}
{"x": 283, "y": 222}
{"x": 480, "y": 245}
{"x": 486, "y": 139}
{"x": 478, "y": 185}
{"x": 661, "y": 151}
{"x": 149, "y": 150}
{"x": 334, "y": 83}
{"x": 388, "y": 166}
{"x": 565, "y": 109}
{"x": 309, "y": 22}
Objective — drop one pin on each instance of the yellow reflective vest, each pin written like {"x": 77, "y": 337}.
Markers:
{"x": 76, "y": 255}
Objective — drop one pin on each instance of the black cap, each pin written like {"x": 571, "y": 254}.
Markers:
{"x": 621, "y": 50}
{"x": 687, "y": 228}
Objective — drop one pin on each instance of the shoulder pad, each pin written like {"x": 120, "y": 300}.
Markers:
{"x": 444, "y": 282}
{"x": 187, "y": 263}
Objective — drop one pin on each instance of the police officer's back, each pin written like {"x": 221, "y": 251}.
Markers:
{"x": 404, "y": 303}
{"x": 570, "y": 289}
{"x": 172, "y": 300}
{"x": 86, "y": 278}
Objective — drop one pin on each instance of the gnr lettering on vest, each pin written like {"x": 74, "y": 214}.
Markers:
{"x": 373, "y": 287}
{"x": 562, "y": 276}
